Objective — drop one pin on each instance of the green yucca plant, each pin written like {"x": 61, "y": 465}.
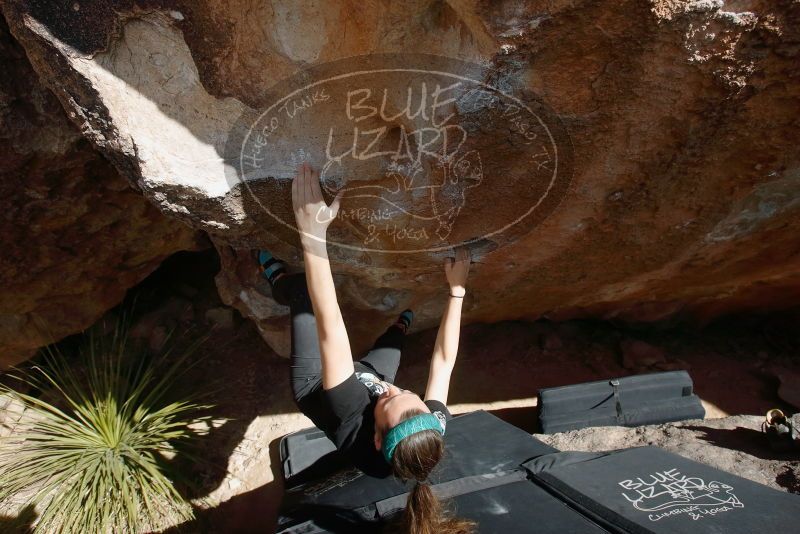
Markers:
{"x": 92, "y": 450}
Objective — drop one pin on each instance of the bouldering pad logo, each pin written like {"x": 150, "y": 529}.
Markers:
{"x": 669, "y": 493}
{"x": 429, "y": 152}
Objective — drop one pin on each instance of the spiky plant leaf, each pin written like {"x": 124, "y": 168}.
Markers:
{"x": 91, "y": 451}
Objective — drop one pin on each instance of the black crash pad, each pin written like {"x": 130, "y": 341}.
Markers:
{"x": 648, "y": 490}
{"x": 637, "y": 400}
{"x": 521, "y": 506}
{"x": 507, "y": 503}
{"x": 477, "y": 443}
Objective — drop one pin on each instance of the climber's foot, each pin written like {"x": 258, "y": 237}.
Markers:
{"x": 271, "y": 267}
{"x": 404, "y": 321}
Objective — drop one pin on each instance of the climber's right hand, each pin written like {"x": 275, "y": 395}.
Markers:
{"x": 312, "y": 213}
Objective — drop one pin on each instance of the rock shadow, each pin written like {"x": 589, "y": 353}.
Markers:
{"x": 747, "y": 440}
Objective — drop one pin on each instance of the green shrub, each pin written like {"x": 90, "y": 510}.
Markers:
{"x": 95, "y": 443}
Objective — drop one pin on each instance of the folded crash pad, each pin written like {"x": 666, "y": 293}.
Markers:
{"x": 307, "y": 454}
{"x": 629, "y": 401}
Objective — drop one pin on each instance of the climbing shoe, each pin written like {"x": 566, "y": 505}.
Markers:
{"x": 271, "y": 267}
{"x": 404, "y": 320}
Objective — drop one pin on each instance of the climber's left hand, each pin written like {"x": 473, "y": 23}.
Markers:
{"x": 312, "y": 213}
{"x": 457, "y": 269}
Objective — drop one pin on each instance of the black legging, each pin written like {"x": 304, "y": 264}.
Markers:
{"x": 306, "y": 366}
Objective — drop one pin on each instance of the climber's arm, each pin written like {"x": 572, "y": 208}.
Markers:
{"x": 444, "y": 352}
{"x": 313, "y": 217}
{"x": 446, "y": 348}
{"x": 334, "y": 345}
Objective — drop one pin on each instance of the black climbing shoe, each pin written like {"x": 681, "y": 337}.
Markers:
{"x": 405, "y": 320}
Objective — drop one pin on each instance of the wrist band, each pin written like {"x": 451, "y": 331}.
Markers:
{"x": 456, "y": 296}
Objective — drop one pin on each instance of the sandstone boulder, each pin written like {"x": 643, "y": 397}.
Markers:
{"x": 638, "y": 354}
{"x": 74, "y": 234}
{"x": 634, "y": 161}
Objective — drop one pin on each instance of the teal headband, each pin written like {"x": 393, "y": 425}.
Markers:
{"x": 412, "y": 425}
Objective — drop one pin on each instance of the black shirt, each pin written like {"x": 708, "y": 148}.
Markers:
{"x": 352, "y": 427}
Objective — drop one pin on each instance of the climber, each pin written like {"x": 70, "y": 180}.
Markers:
{"x": 382, "y": 428}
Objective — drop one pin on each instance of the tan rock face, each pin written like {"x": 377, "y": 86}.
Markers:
{"x": 677, "y": 193}
{"x": 74, "y": 235}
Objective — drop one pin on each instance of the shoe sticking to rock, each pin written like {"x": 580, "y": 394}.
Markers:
{"x": 404, "y": 320}
{"x": 271, "y": 267}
